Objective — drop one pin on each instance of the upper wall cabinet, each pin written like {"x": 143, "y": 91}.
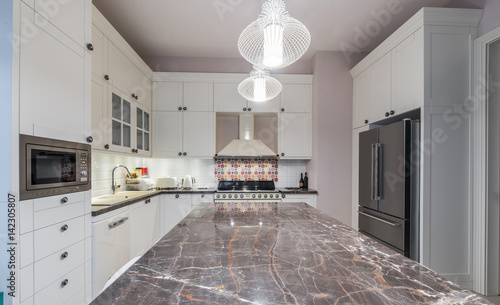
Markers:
{"x": 296, "y": 98}
{"x": 189, "y": 96}
{"x": 421, "y": 64}
{"x": 228, "y": 99}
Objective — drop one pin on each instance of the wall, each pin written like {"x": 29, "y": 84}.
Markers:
{"x": 330, "y": 167}
{"x": 491, "y": 12}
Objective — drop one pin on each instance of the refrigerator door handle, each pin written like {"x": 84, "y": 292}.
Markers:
{"x": 377, "y": 151}
{"x": 372, "y": 176}
{"x": 381, "y": 220}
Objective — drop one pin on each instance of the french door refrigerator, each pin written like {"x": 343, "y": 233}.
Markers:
{"x": 388, "y": 185}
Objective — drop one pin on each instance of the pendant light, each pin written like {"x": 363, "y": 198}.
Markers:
{"x": 275, "y": 40}
{"x": 259, "y": 87}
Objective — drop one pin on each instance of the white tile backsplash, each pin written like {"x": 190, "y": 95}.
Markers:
{"x": 201, "y": 169}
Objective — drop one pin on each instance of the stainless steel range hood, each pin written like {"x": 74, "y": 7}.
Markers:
{"x": 246, "y": 145}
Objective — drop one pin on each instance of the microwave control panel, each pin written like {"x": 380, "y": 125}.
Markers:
{"x": 84, "y": 172}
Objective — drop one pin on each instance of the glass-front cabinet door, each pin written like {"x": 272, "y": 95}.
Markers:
{"x": 121, "y": 122}
{"x": 143, "y": 133}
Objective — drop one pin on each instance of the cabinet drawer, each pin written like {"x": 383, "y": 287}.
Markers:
{"x": 63, "y": 289}
{"x": 49, "y": 217}
{"x": 56, "y": 237}
{"x": 52, "y": 267}
{"x": 57, "y": 201}
{"x": 177, "y": 196}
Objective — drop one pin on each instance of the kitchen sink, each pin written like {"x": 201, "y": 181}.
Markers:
{"x": 118, "y": 197}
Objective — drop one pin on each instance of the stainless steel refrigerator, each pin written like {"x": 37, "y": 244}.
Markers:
{"x": 388, "y": 185}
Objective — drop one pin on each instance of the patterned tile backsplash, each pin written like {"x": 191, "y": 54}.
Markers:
{"x": 238, "y": 169}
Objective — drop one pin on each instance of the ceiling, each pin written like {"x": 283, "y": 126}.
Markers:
{"x": 210, "y": 28}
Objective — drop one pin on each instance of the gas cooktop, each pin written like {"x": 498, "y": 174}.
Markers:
{"x": 246, "y": 186}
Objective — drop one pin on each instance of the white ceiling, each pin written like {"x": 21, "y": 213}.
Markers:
{"x": 210, "y": 28}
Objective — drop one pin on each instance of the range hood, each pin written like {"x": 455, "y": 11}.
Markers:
{"x": 246, "y": 145}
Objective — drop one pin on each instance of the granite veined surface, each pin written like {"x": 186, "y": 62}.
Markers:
{"x": 291, "y": 255}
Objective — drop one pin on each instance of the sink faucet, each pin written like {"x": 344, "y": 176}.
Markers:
{"x": 113, "y": 185}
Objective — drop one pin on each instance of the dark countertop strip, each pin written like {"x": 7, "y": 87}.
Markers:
{"x": 297, "y": 191}
{"x": 294, "y": 254}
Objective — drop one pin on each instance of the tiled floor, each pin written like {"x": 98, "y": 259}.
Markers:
{"x": 494, "y": 300}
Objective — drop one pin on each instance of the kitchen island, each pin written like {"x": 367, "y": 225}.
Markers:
{"x": 286, "y": 254}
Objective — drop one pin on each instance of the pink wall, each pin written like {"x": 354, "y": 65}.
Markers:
{"x": 330, "y": 168}
{"x": 491, "y": 14}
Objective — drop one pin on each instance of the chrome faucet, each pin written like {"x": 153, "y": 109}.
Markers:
{"x": 113, "y": 185}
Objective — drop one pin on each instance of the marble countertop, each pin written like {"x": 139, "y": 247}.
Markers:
{"x": 297, "y": 190}
{"x": 292, "y": 254}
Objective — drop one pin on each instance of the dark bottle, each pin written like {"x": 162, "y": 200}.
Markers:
{"x": 301, "y": 182}
{"x": 306, "y": 181}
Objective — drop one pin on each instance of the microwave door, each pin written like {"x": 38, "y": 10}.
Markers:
{"x": 49, "y": 167}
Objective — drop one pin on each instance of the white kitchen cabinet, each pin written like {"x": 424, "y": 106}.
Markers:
{"x": 167, "y": 96}
{"x": 154, "y": 225}
{"x": 100, "y": 122}
{"x": 296, "y": 98}
{"x": 184, "y": 134}
{"x": 121, "y": 70}
{"x": 143, "y": 131}
{"x": 99, "y": 54}
{"x": 362, "y": 87}
{"x": 310, "y": 199}
{"x": 198, "y": 96}
{"x": 52, "y": 83}
{"x": 380, "y": 93}
{"x": 187, "y": 96}
{"x": 139, "y": 241}
{"x": 141, "y": 88}
{"x": 197, "y": 199}
{"x": 175, "y": 208}
{"x": 228, "y": 99}
{"x": 111, "y": 248}
{"x": 120, "y": 114}
{"x": 295, "y": 136}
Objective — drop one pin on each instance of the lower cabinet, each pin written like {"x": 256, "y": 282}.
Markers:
{"x": 197, "y": 199}
{"x": 175, "y": 208}
{"x": 310, "y": 199}
{"x": 145, "y": 225}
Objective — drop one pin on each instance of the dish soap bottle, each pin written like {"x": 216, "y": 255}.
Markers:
{"x": 301, "y": 182}
{"x": 306, "y": 181}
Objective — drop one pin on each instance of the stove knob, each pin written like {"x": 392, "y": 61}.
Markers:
{"x": 253, "y": 196}
{"x": 230, "y": 196}
{"x": 277, "y": 196}
{"x": 265, "y": 195}
{"x": 260, "y": 195}
{"x": 241, "y": 196}
{"x": 223, "y": 196}
{"x": 218, "y": 196}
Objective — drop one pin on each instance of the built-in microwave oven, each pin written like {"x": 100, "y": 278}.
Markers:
{"x": 52, "y": 167}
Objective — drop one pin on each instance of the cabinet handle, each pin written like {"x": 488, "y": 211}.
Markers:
{"x": 180, "y": 154}
{"x": 133, "y": 95}
{"x": 64, "y": 255}
{"x": 64, "y": 200}
{"x": 177, "y": 196}
{"x": 111, "y": 225}
{"x": 392, "y": 112}
{"x": 64, "y": 283}
{"x": 184, "y": 153}
{"x": 185, "y": 108}
{"x": 106, "y": 77}
{"x": 106, "y": 146}
{"x": 366, "y": 121}
{"x": 386, "y": 114}
{"x": 64, "y": 228}
{"x": 282, "y": 154}
{"x": 282, "y": 109}
{"x": 147, "y": 201}
{"x": 249, "y": 109}
{"x": 90, "y": 139}
{"x": 90, "y": 47}
{"x": 136, "y": 97}
{"x": 244, "y": 109}
{"x": 180, "y": 108}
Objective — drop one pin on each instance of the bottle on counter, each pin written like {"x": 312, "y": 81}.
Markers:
{"x": 306, "y": 181}
{"x": 301, "y": 182}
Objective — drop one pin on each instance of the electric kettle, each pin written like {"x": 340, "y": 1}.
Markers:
{"x": 188, "y": 182}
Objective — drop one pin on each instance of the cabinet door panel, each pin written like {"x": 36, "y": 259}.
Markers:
{"x": 139, "y": 238}
{"x": 52, "y": 81}
{"x": 175, "y": 209}
{"x": 296, "y": 98}
{"x": 121, "y": 70}
{"x": 167, "y": 96}
{"x": 362, "y": 96}
{"x": 380, "y": 102}
{"x": 268, "y": 106}
{"x": 141, "y": 87}
{"x": 198, "y": 134}
{"x": 198, "y": 96}
{"x": 122, "y": 120}
{"x": 100, "y": 123}
{"x": 167, "y": 134}
{"x": 227, "y": 98}
{"x": 295, "y": 135}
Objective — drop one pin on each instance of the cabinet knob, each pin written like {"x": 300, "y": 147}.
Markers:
{"x": 180, "y": 108}
{"x": 64, "y": 228}
{"x": 202, "y": 195}
{"x": 387, "y": 114}
{"x": 366, "y": 121}
{"x": 282, "y": 109}
{"x": 64, "y": 283}
{"x": 184, "y": 153}
{"x": 147, "y": 201}
{"x": 392, "y": 112}
{"x": 90, "y": 139}
{"x": 133, "y": 95}
{"x": 249, "y": 109}
{"x": 180, "y": 154}
{"x": 90, "y": 47}
{"x": 64, "y": 200}
{"x": 282, "y": 154}
{"x": 106, "y": 77}
{"x": 244, "y": 109}
{"x": 106, "y": 146}
{"x": 177, "y": 196}
{"x": 185, "y": 108}
{"x": 133, "y": 150}
{"x": 136, "y": 97}
{"x": 64, "y": 255}
{"x": 283, "y": 195}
